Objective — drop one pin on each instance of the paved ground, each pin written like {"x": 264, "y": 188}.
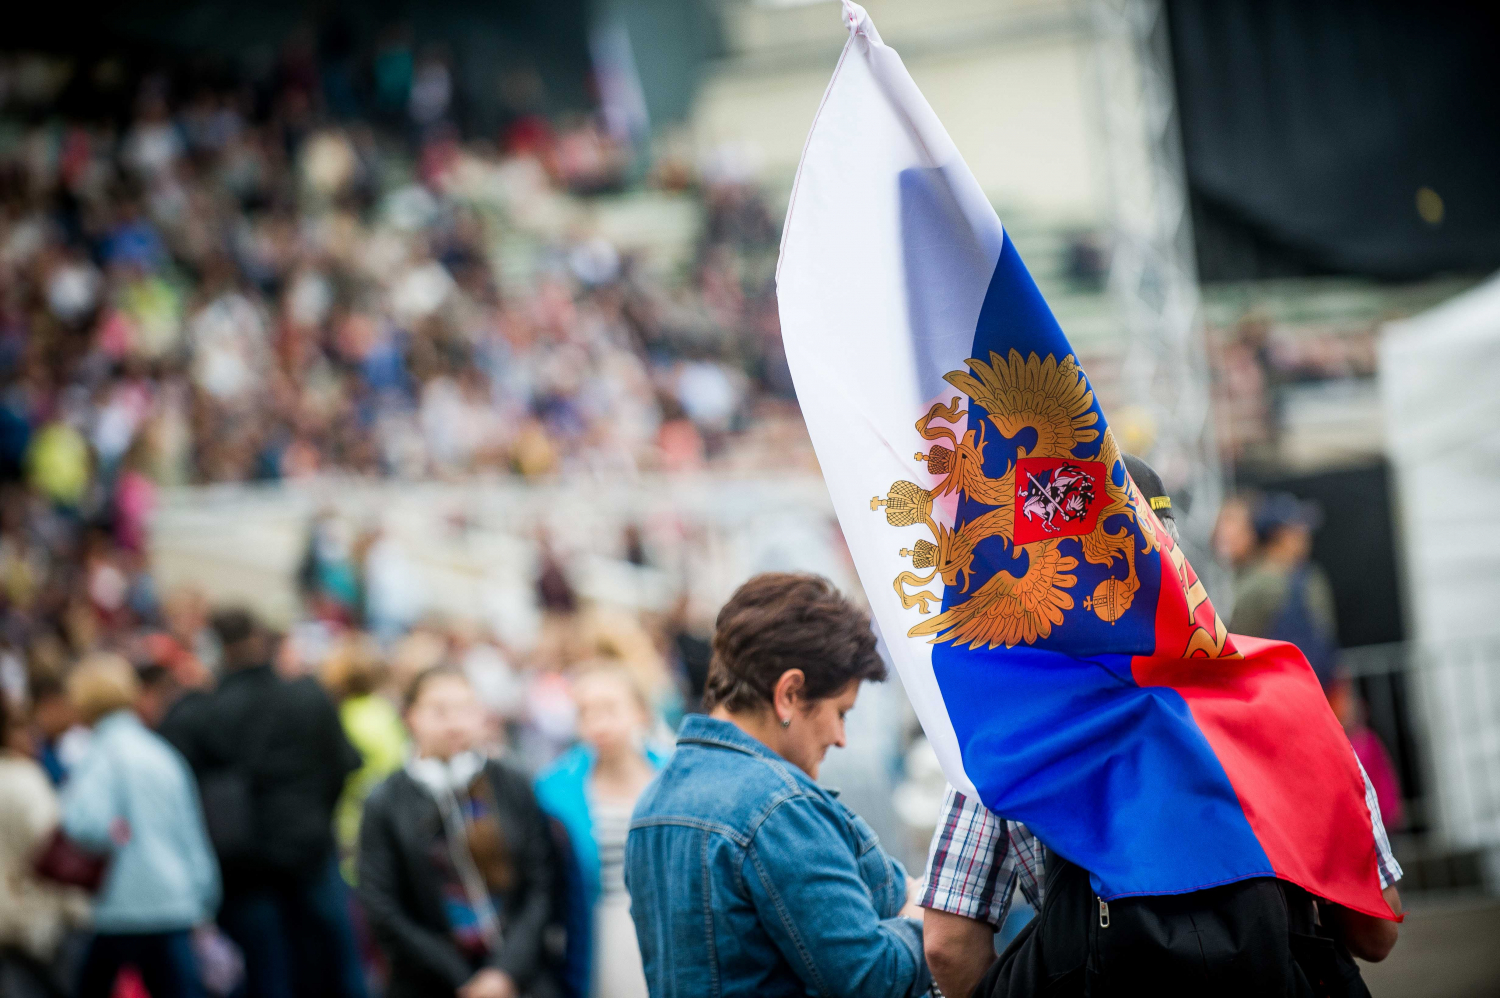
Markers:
{"x": 1448, "y": 949}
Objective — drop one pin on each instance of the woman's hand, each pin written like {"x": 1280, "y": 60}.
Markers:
{"x": 489, "y": 983}
{"x": 913, "y": 892}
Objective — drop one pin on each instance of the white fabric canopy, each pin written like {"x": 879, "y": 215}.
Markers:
{"x": 1440, "y": 383}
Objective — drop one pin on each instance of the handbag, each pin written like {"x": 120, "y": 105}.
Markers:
{"x": 66, "y": 862}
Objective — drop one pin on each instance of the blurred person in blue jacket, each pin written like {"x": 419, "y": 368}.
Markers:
{"x": 592, "y": 790}
{"x": 745, "y": 876}
{"x": 133, "y": 798}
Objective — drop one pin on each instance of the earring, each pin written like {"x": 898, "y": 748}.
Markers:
{"x": 786, "y": 722}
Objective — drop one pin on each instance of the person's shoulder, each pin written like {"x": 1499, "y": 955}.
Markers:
{"x": 192, "y": 702}
{"x": 1261, "y": 577}
{"x": 184, "y": 717}
{"x": 509, "y": 777}
{"x": 566, "y": 770}
{"x": 153, "y": 757}
{"x": 306, "y": 698}
{"x": 383, "y": 795}
{"x": 23, "y": 779}
{"x": 305, "y": 689}
{"x": 724, "y": 786}
{"x": 810, "y": 802}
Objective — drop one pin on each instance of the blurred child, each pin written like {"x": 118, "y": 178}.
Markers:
{"x": 592, "y": 790}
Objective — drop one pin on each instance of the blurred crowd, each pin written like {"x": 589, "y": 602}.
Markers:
{"x": 207, "y": 294}
{"x": 238, "y": 283}
{"x": 227, "y": 864}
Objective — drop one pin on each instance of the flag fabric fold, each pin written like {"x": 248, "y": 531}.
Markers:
{"x": 1062, "y": 655}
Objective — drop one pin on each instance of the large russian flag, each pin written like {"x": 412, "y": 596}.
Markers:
{"x": 1064, "y": 660}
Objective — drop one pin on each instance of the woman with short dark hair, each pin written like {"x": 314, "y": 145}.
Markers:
{"x": 745, "y": 876}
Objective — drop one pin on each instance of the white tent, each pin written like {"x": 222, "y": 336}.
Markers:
{"x": 1440, "y": 383}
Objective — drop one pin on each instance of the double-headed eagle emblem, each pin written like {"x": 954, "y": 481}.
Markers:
{"x": 1059, "y": 503}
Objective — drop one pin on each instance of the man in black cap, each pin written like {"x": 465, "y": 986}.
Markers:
{"x": 1284, "y": 595}
{"x": 1149, "y": 482}
{"x": 979, "y": 860}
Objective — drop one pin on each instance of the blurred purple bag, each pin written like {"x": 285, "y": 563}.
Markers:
{"x": 66, "y": 862}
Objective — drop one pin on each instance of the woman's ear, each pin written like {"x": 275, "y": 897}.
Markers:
{"x": 788, "y": 692}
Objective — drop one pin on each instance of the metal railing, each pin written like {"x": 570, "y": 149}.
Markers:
{"x": 1436, "y": 707}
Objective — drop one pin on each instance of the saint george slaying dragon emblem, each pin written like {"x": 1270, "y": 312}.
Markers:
{"x": 1047, "y": 498}
{"x": 1064, "y": 495}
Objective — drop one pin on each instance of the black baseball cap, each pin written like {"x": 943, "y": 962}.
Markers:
{"x": 1149, "y": 482}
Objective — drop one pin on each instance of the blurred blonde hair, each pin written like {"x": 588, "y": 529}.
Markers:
{"x": 606, "y": 669}
{"x": 610, "y": 637}
{"x": 101, "y": 684}
{"x": 412, "y": 656}
{"x": 354, "y": 667}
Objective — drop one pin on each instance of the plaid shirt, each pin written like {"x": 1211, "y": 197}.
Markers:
{"x": 978, "y": 860}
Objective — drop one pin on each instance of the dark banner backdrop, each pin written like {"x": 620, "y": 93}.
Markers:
{"x": 1340, "y": 136}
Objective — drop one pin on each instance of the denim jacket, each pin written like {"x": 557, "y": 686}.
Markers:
{"x": 747, "y": 878}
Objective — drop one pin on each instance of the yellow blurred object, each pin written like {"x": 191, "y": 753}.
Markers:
{"x": 58, "y": 462}
{"x": 534, "y": 453}
{"x": 1430, "y": 206}
{"x": 1134, "y": 428}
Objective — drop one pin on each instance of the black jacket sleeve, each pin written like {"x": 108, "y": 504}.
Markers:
{"x": 182, "y": 727}
{"x": 520, "y": 954}
{"x": 380, "y": 874}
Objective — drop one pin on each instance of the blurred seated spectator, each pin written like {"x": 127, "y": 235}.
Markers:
{"x": 328, "y": 578}
{"x": 272, "y": 758}
{"x": 592, "y": 790}
{"x": 34, "y": 913}
{"x": 133, "y": 798}
{"x": 458, "y": 872}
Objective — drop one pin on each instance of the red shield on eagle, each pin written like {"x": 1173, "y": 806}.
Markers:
{"x": 1057, "y": 497}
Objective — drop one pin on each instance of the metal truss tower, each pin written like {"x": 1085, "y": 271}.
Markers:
{"x": 1153, "y": 274}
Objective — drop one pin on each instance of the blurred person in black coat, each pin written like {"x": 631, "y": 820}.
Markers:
{"x": 271, "y": 759}
{"x": 458, "y": 866}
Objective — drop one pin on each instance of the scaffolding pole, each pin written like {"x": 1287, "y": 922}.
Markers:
{"x": 1152, "y": 272}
